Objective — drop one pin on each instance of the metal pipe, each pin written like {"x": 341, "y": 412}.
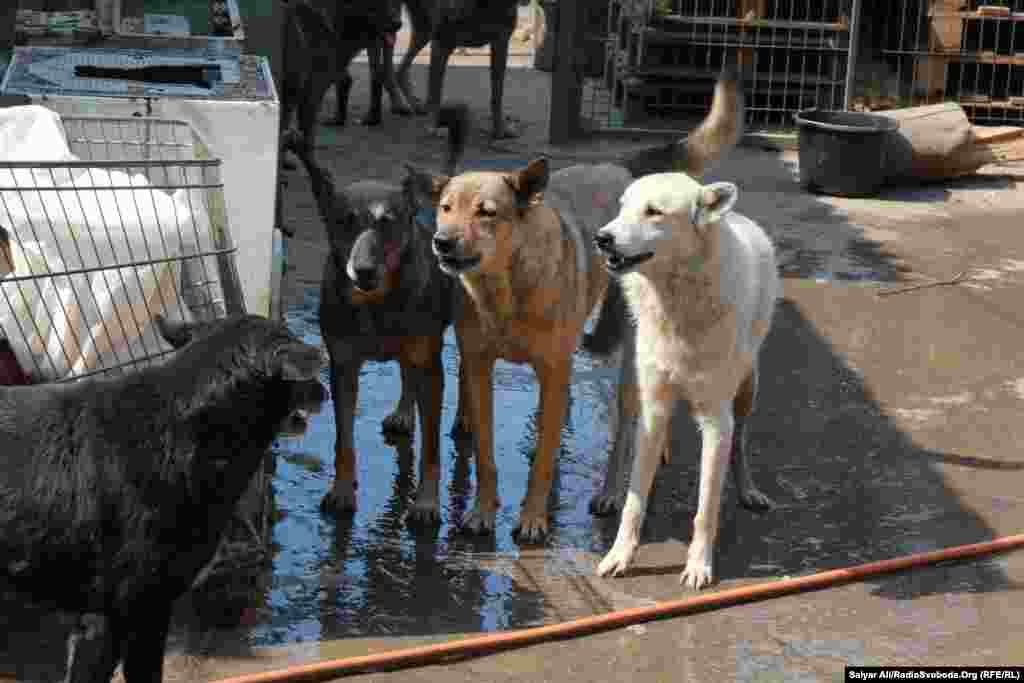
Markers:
{"x": 851, "y": 55}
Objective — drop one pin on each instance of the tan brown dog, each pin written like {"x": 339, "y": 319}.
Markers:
{"x": 521, "y": 245}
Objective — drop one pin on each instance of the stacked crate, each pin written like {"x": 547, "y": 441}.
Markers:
{"x": 971, "y": 51}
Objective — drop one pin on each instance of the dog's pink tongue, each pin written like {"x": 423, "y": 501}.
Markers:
{"x": 392, "y": 257}
{"x": 390, "y": 38}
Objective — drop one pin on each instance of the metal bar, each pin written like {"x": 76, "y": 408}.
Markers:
{"x": 851, "y": 55}
{"x": 108, "y": 164}
{"x": 150, "y": 359}
{"x": 118, "y": 266}
{"x": 129, "y": 188}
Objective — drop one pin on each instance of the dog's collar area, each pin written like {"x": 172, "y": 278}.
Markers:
{"x": 454, "y": 265}
{"x": 618, "y": 264}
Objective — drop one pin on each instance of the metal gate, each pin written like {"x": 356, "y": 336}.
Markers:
{"x": 661, "y": 58}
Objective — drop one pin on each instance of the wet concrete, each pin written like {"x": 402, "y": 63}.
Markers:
{"x": 886, "y": 425}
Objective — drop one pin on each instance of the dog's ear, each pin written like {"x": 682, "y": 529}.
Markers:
{"x": 298, "y": 362}
{"x": 712, "y": 203}
{"x": 530, "y": 182}
{"x": 422, "y": 189}
{"x": 177, "y": 333}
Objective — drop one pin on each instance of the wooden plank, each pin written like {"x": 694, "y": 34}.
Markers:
{"x": 992, "y": 104}
{"x": 991, "y": 134}
{"x": 839, "y": 26}
{"x": 711, "y": 73}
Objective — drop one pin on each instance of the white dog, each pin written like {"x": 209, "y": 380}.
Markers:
{"x": 702, "y": 283}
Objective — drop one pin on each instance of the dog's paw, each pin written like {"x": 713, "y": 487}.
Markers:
{"x": 531, "y": 530}
{"x": 402, "y": 421}
{"x": 604, "y": 505}
{"x": 697, "y": 574}
{"x": 618, "y": 560}
{"x": 425, "y": 512}
{"x": 340, "y": 500}
{"x": 437, "y": 132}
{"x": 752, "y": 499}
{"x": 478, "y": 522}
{"x": 402, "y": 109}
{"x": 372, "y": 120}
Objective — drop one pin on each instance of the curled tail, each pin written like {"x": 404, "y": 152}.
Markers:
{"x": 455, "y": 117}
{"x": 721, "y": 130}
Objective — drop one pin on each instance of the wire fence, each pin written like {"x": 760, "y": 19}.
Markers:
{"x": 651, "y": 64}
{"x": 662, "y": 58}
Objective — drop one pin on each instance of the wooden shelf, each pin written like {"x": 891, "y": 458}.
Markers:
{"x": 660, "y": 36}
{"x": 983, "y": 58}
{"x": 690, "y": 73}
{"x": 969, "y": 16}
{"x": 839, "y": 26}
{"x": 993, "y": 104}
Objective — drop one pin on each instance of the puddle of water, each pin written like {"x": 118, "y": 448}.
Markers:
{"x": 373, "y": 575}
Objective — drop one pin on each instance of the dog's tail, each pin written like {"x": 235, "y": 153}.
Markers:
{"x": 721, "y": 130}
{"x": 611, "y": 323}
{"x": 320, "y": 177}
{"x": 455, "y": 117}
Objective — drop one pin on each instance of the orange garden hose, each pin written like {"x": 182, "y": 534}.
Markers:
{"x": 468, "y": 647}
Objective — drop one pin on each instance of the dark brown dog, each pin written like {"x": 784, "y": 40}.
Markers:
{"x": 384, "y": 298}
{"x": 453, "y": 24}
{"x": 320, "y": 40}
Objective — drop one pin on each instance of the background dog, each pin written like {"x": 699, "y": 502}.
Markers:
{"x": 520, "y": 244}
{"x": 114, "y": 493}
{"x": 384, "y": 298}
{"x": 450, "y": 24}
{"x": 320, "y": 40}
{"x": 702, "y": 284}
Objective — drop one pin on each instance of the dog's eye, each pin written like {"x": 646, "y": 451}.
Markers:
{"x": 650, "y": 212}
{"x": 445, "y": 208}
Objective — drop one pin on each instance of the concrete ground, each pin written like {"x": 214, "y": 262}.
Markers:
{"x": 887, "y": 425}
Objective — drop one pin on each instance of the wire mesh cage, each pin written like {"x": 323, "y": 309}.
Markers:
{"x": 663, "y": 57}
{"x": 130, "y": 222}
{"x": 133, "y": 224}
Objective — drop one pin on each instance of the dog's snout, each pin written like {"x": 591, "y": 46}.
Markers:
{"x": 604, "y": 240}
{"x": 444, "y": 245}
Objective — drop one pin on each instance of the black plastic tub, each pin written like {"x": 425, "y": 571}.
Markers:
{"x": 843, "y": 153}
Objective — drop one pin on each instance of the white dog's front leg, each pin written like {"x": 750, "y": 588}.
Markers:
{"x": 656, "y": 406}
{"x": 716, "y": 442}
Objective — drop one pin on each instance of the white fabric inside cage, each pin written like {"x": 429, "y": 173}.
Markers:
{"x": 69, "y": 218}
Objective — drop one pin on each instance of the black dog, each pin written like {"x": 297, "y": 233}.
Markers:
{"x": 384, "y": 298}
{"x": 114, "y": 492}
{"x": 450, "y": 24}
{"x": 320, "y": 40}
